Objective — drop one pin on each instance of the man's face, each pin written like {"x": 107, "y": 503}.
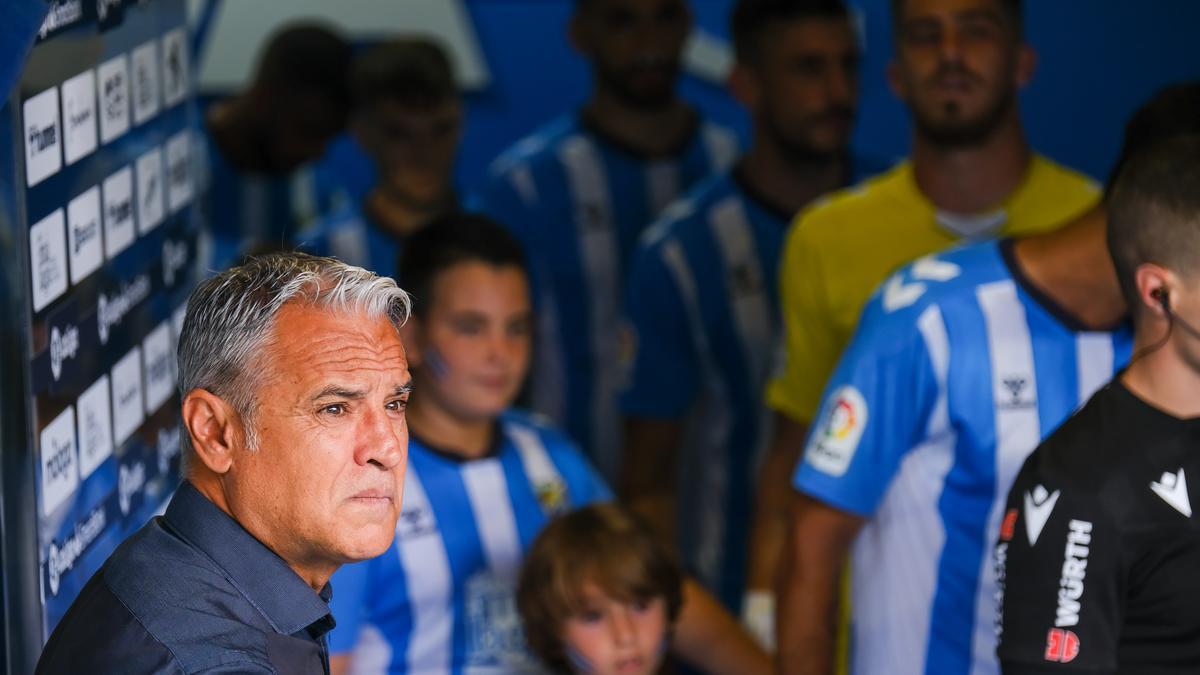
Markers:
{"x": 635, "y": 46}
{"x": 473, "y": 343}
{"x": 959, "y": 66}
{"x": 804, "y": 86}
{"x": 414, "y": 148}
{"x": 325, "y": 483}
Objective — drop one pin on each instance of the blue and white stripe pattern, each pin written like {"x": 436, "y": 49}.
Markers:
{"x": 958, "y": 369}
{"x": 346, "y": 234}
{"x": 579, "y": 202}
{"x": 703, "y": 304}
{"x": 440, "y": 601}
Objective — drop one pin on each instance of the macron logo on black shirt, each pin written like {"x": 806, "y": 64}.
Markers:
{"x": 1172, "y": 487}
{"x": 1039, "y": 504}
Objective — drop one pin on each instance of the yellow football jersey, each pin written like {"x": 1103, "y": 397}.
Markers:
{"x": 841, "y": 248}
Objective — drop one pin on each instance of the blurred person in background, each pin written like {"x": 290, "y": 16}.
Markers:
{"x": 959, "y": 66}
{"x": 580, "y": 191}
{"x": 259, "y": 141}
{"x": 407, "y": 116}
{"x": 702, "y": 298}
{"x": 962, "y": 362}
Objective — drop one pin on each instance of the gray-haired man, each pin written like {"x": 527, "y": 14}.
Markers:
{"x": 294, "y": 385}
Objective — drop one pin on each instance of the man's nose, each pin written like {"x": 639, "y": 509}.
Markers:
{"x": 383, "y": 440}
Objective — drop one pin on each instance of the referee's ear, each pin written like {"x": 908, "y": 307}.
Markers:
{"x": 215, "y": 429}
{"x": 1155, "y": 294}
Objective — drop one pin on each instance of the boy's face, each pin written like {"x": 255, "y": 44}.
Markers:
{"x": 471, "y": 346}
{"x": 611, "y": 637}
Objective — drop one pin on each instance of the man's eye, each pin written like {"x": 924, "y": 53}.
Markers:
{"x": 399, "y": 404}
{"x": 334, "y": 409}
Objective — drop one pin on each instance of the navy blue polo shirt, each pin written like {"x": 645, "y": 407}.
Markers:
{"x": 193, "y": 592}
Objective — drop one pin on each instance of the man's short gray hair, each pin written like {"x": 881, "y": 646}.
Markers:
{"x": 231, "y": 315}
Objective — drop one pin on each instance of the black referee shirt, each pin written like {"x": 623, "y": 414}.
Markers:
{"x": 192, "y": 592}
{"x": 1099, "y": 551}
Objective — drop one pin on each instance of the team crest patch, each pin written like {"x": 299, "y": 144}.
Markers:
{"x": 833, "y": 445}
{"x": 552, "y": 496}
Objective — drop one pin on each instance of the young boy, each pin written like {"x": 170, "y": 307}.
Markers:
{"x": 482, "y": 481}
{"x": 599, "y": 594}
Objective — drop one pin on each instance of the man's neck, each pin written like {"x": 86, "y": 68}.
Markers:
{"x": 1073, "y": 268}
{"x": 446, "y": 432}
{"x": 788, "y": 184}
{"x": 972, "y": 179}
{"x": 235, "y": 133}
{"x": 1161, "y": 378}
{"x": 650, "y": 132}
{"x": 400, "y": 217}
{"x": 314, "y": 573}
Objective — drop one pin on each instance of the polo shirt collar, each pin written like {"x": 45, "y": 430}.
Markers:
{"x": 288, "y": 603}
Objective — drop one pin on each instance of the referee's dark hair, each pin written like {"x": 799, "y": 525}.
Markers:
{"x": 1155, "y": 216}
{"x": 451, "y": 240}
{"x": 1013, "y": 8}
{"x": 751, "y": 19}
{"x": 1154, "y": 212}
{"x": 415, "y": 72}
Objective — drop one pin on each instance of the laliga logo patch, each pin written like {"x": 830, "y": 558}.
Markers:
{"x": 832, "y": 447}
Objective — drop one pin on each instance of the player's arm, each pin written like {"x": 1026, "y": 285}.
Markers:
{"x": 339, "y": 664}
{"x": 649, "y": 461}
{"x": 876, "y": 409}
{"x": 1058, "y": 558}
{"x": 709, "y": 638}
{"x": 769, "y": 528}
{"x": 818, "y": 543}
{"x": 810, "y": 350}
{"x": 661, "y": 385}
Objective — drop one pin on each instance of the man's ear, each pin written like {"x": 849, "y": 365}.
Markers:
{"x": 1026, "y": 65}
{"x": 410, "y": 335}
{"x": 215, "y": 429}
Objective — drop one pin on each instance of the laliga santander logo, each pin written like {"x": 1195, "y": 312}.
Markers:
{"x": 842, "y": 420}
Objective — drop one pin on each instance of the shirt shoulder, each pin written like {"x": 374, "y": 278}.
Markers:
{"x": 156, "y": 576}
{"x": 859, "y": 206}
{"x": 582, "y": 480}
{"x": 1083, "y": 452}
{"x": 536, "y": 149}
{"x": 683, "y": 218}
{"x": 1051, "y": 196}
{"x": 943, "y": 280}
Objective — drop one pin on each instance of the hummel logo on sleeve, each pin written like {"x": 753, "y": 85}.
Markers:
{"x": 1038, "y": 506}
{"x": 1172, "y": 487}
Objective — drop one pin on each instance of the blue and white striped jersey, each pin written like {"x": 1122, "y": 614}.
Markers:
{"x": 441, "y": 599}
{"x": 702, "y": 302}
{"x": 702, "y": 306}
{"x": 346, "y": 234}
{"x": 579, "y": 201}
{"x": 958, "y": 369}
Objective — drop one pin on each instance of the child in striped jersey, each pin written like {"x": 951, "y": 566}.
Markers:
{"x": 599, "y": 594}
